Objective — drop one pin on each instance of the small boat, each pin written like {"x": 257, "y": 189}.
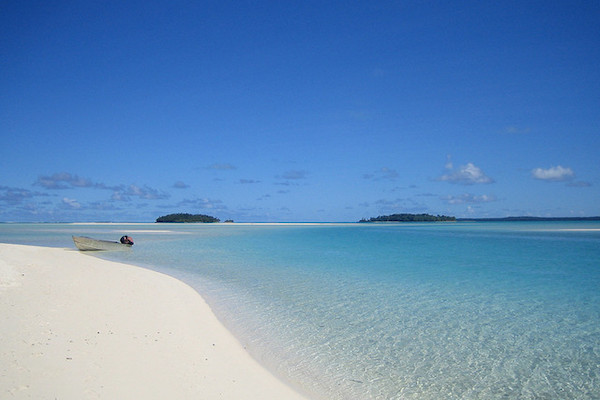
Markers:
{"x": 84, "y": 243}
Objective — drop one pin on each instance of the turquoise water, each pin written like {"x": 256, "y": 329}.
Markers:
{"x": 410, "y": 311}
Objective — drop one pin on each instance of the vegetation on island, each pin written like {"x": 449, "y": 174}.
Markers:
{"x": 410, "y": 218}
{"x": 187, "y": 218}
{"x": 531, "y": 219}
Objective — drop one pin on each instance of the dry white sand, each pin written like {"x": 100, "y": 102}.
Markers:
{"x": 73, "y": 326}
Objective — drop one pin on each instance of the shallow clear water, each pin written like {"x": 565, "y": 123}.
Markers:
{"x": 407, "y": 311}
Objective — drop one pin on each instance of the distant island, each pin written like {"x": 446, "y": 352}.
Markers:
{"x": 179, "y": 218}
{"x": 529, "y": 219}
{"x": 410, "y": 218}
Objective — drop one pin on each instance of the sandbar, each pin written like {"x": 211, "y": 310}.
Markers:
{"x": 73, "y": 326}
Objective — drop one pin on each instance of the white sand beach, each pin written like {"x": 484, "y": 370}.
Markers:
{"x": 73, "y": 326}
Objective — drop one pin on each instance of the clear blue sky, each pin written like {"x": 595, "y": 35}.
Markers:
{"x": 298, "y": 111}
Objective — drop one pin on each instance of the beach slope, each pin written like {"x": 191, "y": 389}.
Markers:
{"x": 77, "y": 327}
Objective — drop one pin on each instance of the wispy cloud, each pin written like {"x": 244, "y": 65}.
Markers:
{"x": 222, "y": 167}
{"x": 384, "y": 173}
{"x": 387, "y": 206}
{"x": 294, "y": 175}
{"x": 104, "y": 206}
{"x": 180, "y": 185}
{"x": 64, "y": 180}
{"x": 124, "y": 193}
{"x": 579, "y": 184}
{"x": 202, "y": 204}
{"x": 553, "y": 174}
{"x": 515, "y": 130}
{"x": 70, "y": 203}
{"x": 468, "y": 174}
{"x": 468, "y": 198}
{"x": 14, "y": 196}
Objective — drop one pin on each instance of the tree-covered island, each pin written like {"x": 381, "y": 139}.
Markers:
{"x": 410, "y": 218}
{"x": 187, "y": 218}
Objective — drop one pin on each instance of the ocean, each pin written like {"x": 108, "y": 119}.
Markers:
{"x": 480, "y": 310}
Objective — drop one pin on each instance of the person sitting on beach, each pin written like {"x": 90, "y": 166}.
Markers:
{"x": 127, "y": 240}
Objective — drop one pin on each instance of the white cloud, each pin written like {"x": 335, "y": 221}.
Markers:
{"x": 449, "y": 162}
{"x": 468, "y": 174}
{"x": 71, "y": 203}
{"x": 119, "y": 196}
{"x": 146, "y": 192}
{"x": 553, "y": 174}
{"x": 469, "y": 198}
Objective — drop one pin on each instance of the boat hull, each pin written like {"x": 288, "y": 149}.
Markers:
{"x": 84, "y": 243}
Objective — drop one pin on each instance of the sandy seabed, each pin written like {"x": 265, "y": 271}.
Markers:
{"x": 73, "y": 326}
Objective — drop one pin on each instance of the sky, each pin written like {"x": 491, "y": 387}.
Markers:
{"x": 298, "y": 111}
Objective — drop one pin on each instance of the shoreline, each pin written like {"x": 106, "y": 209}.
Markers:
{"x": 75, "y": 326}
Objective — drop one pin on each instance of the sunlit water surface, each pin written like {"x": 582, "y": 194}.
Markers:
{"x": 399, "y": 311}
